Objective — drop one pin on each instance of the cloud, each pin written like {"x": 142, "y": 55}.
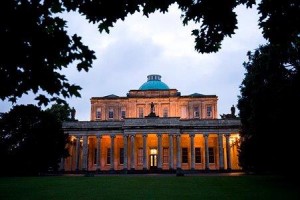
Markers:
{"x": 160, "y": 44}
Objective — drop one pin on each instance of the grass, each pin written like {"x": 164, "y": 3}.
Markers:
{"x": 147, "y": 187}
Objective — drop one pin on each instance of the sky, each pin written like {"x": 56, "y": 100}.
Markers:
{"x": 160, "y": 44}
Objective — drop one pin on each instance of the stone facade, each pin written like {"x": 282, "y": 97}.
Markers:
{"x": 183, "y": 132}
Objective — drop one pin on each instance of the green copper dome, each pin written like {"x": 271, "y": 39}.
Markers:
{"x": 154, "y": 83}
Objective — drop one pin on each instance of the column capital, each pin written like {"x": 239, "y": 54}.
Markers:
{"x": 192, "y": 134}
{"x": 145, "y": 135}
{"x": 158, "y": 134}
{"x": 112, "y": 136}
{"x": 99, "y": 136}
{"x": 227, "y": 135}
{"x": 205, "y": 135}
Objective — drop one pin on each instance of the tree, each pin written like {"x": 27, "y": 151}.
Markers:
{"x": 37, "y": 46}
{"x": 270, "y": 96}
{"x": 31, "y": 141}
{"x": 61, "y": 111}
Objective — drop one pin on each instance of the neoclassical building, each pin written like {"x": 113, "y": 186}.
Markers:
{"x": 154, "y": 128}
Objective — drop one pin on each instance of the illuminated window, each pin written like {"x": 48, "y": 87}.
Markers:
{"x": 121, "y": 156}
{"x": 141, "y": 113}
{"x": 108, "y": 156}
{"x": 110, "y": 113}
{"x": 196, "y": 112}
{"x": 98, "y": 113}
{"x": 140, "y": 156}
{"x": 198, "y": 155}
{"x": 184, "y": 155}
{"x": 211, "y": 155}
{"x": 165, "y": 112}
{"x": 165, "y": 155}
{"x": 209, "y": 111}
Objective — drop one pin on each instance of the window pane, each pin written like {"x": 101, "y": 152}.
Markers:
{"x": 140, "y": 156}
{"x": 165, "y": 155}
{"x": 184, "y": 155}
{"x": 198, "y": 155}
{"x": 111, "y": 113}
{"x": 211, "y": 155}
{"x": 196, "y": 112}
{"x": 121, "y": 156}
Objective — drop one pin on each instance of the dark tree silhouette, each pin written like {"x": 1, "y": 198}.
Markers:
{"x": 269, "y": 103}
{"x": 31, "y": 141}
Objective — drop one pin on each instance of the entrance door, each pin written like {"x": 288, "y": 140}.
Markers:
{"x": 153, "y": 158}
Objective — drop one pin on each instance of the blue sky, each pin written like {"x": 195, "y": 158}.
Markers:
{"x": 160, "y": 44}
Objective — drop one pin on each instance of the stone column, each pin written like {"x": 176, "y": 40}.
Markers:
{"x": 125, "y": 152}
{"x": 98, "y": 153}
{"x": 132, "y": 163}
{"x": 228, "y": 152}
{"x": 85, "y": 153}
{"x": 221, "y": 154}
{"x": 206, "y": 151}
{"x": 160, "y": 149}
{"x": 77, "y": 152}
{"x": 178, "y": 152}
{"x": 192, "y": 136}
{"x": 144, "y": 152}
{"x": 171, "y": 152}
{"x": 112, "y": 156}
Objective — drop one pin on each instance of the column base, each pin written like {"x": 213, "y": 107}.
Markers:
{"x": 228, "y": 169}
{"x": 125, "y": 171}
{"x": 145, "y": 169}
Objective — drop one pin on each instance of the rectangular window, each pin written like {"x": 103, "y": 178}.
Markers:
{"x": 165, "y": 112}
{"x": 196, "y": 112}
{"x": 95, "y": 156}
{"x": 140, "y": 156}
{"x": 211, "y": 155}
{"x": 110, "y": 113}
{"x": 198, "y": 155}
{"x": 123, "y": 113}
{"x": 121, "y": 156}
{"x": 184, "y": 155}
{"x": 108, "y": 156}
{"x": 165, "y": 155}
{"x": 98, "y": 113}
{"x": 141, "y": 113}
{"x": 209, "y": 111}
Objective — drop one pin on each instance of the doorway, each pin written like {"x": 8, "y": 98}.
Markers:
{"x": 153, "y": 158}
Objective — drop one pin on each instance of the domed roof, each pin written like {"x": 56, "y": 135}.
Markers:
{"x": 154, "y": 83}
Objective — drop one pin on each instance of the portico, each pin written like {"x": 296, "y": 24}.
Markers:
{"x": 152, "y": 144}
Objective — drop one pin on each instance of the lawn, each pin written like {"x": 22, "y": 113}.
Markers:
{"x": 147, "y": 187}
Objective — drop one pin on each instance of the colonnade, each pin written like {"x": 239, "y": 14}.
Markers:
{"x": 82, "y": 148}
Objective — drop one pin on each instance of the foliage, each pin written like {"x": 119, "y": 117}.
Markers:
{"x": 31, "y": 141}
{"x": 61, "y": 111}
{"x": 270, "y": 96}
{"x": 36, "y": 47}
